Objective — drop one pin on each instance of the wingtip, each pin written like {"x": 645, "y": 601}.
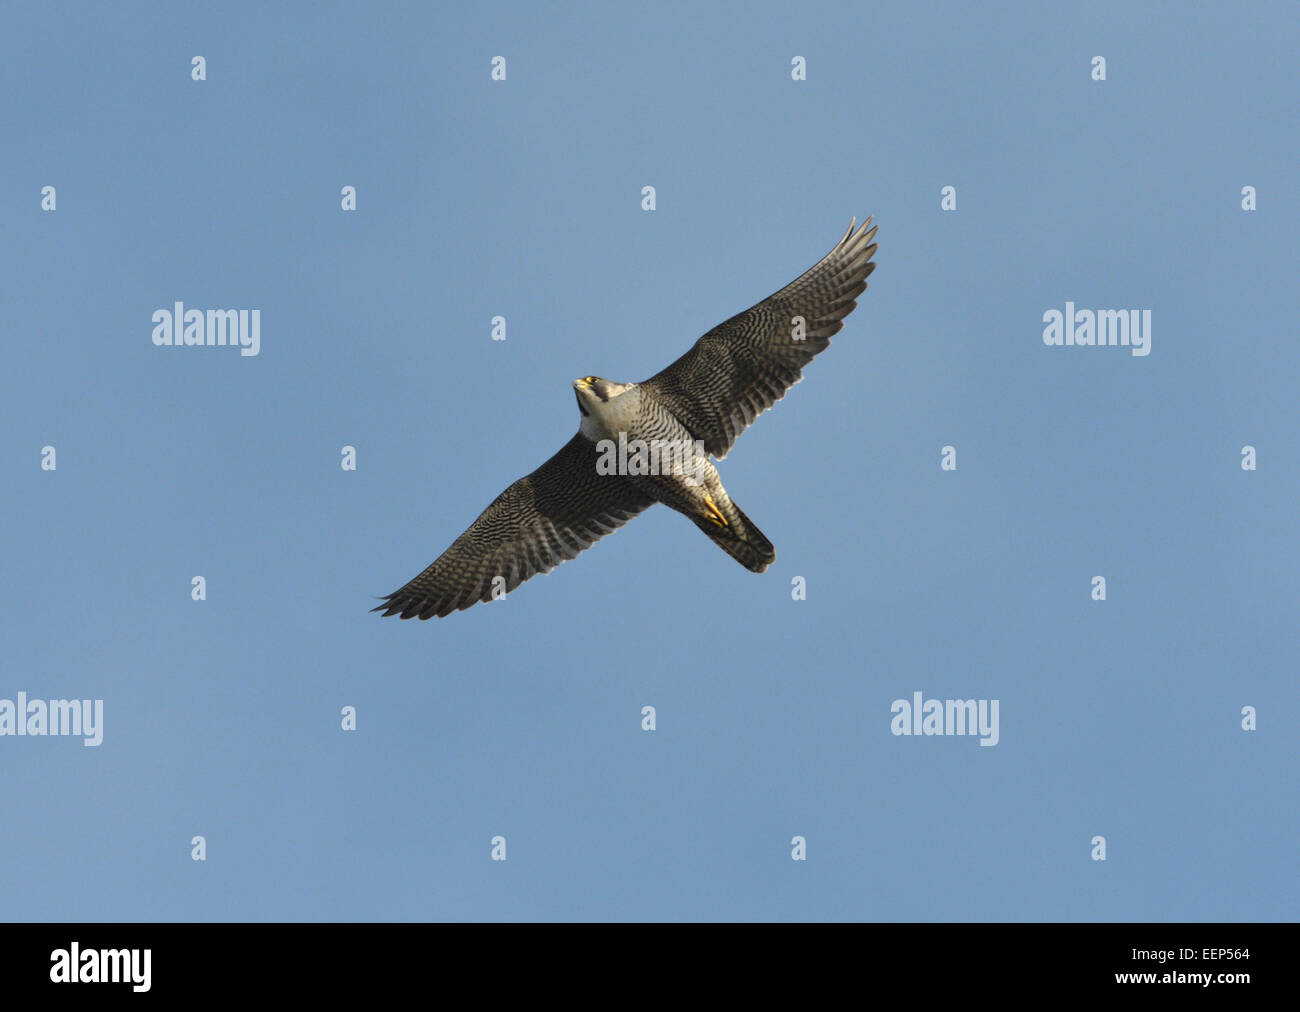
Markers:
{"x": 856, "y": 233}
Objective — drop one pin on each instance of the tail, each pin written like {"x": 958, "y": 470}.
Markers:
{"x": 739, "y": 538}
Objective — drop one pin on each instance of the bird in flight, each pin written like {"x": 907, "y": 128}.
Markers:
{"x": 689, "y": 412}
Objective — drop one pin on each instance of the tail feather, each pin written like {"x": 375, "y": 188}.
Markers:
{"x": 740, "y": 539}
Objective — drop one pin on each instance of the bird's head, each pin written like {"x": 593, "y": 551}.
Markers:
{"x": 593, "y": 391}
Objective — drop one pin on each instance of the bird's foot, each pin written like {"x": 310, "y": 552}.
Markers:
{"x": 714, "y": 513}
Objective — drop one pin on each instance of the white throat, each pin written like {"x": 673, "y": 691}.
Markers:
{"x": 606, "y": 419}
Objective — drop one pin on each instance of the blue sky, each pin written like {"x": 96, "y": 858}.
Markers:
{"x": 522, "y": 198}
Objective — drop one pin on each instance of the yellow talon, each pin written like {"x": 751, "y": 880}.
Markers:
{"x": 714, "y": 513}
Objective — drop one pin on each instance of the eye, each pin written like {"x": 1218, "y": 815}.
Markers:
{"x": 589, "y": 379}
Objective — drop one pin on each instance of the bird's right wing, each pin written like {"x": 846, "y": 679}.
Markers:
{"x": 742, "y": 367}
{"x": 561, "y": 509}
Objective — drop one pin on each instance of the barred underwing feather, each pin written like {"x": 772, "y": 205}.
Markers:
{"x": 543, "y": 519}
{"x": 742, "y": 367}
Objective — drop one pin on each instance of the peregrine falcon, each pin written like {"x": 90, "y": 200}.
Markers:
{"x": 703, "y": 401}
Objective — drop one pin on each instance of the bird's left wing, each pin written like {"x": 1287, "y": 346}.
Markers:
{"x": 561, "y": 509}
{"x": 742, "y": 367}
